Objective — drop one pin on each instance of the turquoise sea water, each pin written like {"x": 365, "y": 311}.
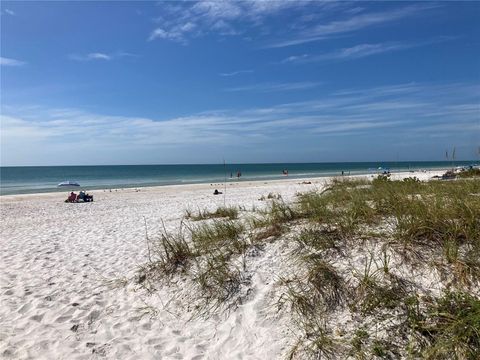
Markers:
{"x": 34, "y": 179}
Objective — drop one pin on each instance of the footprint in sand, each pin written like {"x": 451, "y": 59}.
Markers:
{"x": 37, "y": 317}
{"x": 62, "y": 319}
{"x": 24, "y": 308}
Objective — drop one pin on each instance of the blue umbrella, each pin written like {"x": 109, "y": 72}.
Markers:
{"x": 68, "y": 184}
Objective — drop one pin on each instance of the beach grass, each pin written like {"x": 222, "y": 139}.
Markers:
{"x": 170, "y": 252}
{"x": 218, "y": 235}
{"x": 449, "y": 328}
{"x": 474, "y": 172}
{"x": 230, "y": 212}
{"x": 433, "y": 226}
{"x": 437, "y": 220}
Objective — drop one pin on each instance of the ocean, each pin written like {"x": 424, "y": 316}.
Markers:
{"x": 35, "y": 179}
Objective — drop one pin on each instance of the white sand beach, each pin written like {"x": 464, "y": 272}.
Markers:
{"x": 67, "y": 278}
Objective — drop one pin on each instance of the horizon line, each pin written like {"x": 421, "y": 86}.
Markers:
{"x": 252, "y": 163}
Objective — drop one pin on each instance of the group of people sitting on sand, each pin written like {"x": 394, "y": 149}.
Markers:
{"x": 82, "y": 197}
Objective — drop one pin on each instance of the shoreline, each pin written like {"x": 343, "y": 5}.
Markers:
{"x": 229, "y": 184}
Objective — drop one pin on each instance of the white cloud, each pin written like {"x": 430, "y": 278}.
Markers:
{"x": 181, "y": 21}
{"x": 363, "y": 50}
{"x": 274, "y": 87}
{"x": 99, "y": 56}
{"x": 190, "y": 19}
{"x": 354, "y": 52}
{"x": 295, "y": 58}
{"x": 10, "y": 12}
{"x": 349, "y": 25}
{"x": 238, "y": 72}
{"x": 10, "y": 62}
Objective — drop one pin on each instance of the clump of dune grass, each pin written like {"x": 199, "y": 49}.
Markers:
{"x": 326, "y": 285}
{"x": 359, "y": 344}
{"x": 318, "y": 238}
{"x": 219, "y": 235}
{"x": 470, "y": 173}
{"x": 321, "y": 287}
{"x": 343, "y": 207}
{"x": 217, "y": 277}
{"x": 449, "y": 328}
{"x": 221, "y": 212}
{"x": 170, "y": 253}
{"x": 280, "y": 212}
{"x": 270, "y": 196}
{"x": 316, "y": 342}
{"x": 376, "y": 290}
{"x": 219, "y": 282}
{"x": 274, "y": 230}
{"x": 274, "y": 220}
{"x": 314, "y": 290}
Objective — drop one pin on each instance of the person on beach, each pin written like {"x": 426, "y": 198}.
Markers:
{"x": 72, "y": 197}
{"x": 216, "y": 192}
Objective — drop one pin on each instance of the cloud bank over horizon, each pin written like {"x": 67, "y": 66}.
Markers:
{"x": 388, "y": 113}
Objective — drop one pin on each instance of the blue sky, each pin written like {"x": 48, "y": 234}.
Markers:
{"x": 196, "y": 82}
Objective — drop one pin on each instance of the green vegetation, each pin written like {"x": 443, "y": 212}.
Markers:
{"x": 221, "y": 212}
{"x": 219, "y": 235}
{"x": 171, "y": 253}
{"x": 475, "y": 172}
{"x": 431, "y": 226}
{"x": 218, "y": 282}
{"x": 274, "y": 220}
{"x": 270, "y": 196}
{"x": 449, "y": 328}
{"x": 438, "y": 220}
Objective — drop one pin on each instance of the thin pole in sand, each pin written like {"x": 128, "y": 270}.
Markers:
{"x": 453, "y": 158}
{"x": 224, "y": 182}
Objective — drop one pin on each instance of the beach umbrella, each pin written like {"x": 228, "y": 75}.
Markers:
{"x": 68, "y": 184}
